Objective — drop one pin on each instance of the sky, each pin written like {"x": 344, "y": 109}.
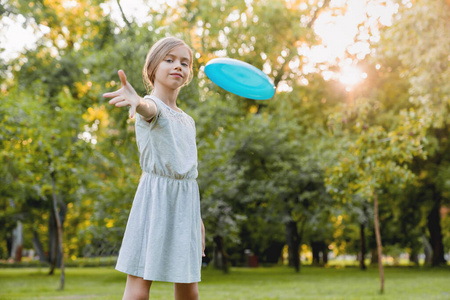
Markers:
{"x": 337, "y": 29}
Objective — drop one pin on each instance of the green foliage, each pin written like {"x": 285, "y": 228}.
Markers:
{"x": 423, "y": 57}
{"x": 313, "y": 155}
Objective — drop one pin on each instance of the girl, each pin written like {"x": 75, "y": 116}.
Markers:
{"x": 165, "y": 237}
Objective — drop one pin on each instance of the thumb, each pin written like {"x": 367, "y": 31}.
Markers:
{"x": 132, "y": 111}
{"x": 123, "y": 77}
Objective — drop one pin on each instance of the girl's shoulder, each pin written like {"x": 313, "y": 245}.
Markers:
{"x": 166, "y": 112}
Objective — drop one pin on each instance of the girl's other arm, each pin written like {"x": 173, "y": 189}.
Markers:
{"x": 127, "y": 96}
{"x": 203, "y": 238}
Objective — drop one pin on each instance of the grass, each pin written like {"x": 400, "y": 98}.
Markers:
{"x": 240, "y": 284}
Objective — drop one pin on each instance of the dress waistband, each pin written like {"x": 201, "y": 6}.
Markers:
{"x": 166, "y": 177}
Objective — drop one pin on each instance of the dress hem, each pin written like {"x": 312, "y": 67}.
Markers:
{"x": 162, "y": 279}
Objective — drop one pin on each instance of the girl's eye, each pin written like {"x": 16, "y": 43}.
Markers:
{"x": 185, "y": 64}
{"x": 169, "y": 60}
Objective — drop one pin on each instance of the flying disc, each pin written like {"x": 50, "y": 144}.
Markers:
{"x": 240, "y": 78}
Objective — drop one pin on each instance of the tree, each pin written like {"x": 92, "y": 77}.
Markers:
{"x": 46, "y": 120}
{"x": 422, "y": 57}
{"x": 376, "y": 162}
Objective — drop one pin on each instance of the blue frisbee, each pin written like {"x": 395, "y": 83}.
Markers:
{"x": 240, "y": 78}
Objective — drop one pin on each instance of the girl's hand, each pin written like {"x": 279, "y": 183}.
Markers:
{"x": 126, "y": 96}
{"x": 203, "y": 240}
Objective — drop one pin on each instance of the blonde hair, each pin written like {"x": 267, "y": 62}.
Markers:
{"x": 156, "y": 55}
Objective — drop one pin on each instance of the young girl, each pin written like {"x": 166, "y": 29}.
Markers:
{"x": 165, "y": 238}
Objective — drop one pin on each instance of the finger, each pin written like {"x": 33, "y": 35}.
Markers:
{"x": 132, "y": 111}
{"x": 123, "y": 77}
{"x": 122, "y": 103}
{"x": 110, "y": 95}
{"x": 116, "y": 99}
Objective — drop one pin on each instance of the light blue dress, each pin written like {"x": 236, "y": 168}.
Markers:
{"x": 162, "y": 240}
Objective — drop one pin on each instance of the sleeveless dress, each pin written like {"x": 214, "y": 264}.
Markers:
{"x": 162, "y": 240}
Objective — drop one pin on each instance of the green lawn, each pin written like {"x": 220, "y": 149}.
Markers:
{"x": 240, "y": 283}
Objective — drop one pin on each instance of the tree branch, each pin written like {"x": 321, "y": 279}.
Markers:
{"x": 123, "y": 15}
{"x": 292, "y": 52}
{"x": 316, "y": 13}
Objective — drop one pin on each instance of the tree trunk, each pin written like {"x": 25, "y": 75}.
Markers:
{"x": 315, "y": 249}
{"x": 414, "y": 257}
{"x": 293, "y": 242}
{"x": 378, "y": 237}
{"x": 319, "y": 252}
{"x": 325, "y": 253}
{"x": 52, "y": 241}
{"x": 9, "y": 242}
{"x": 220, "y": 256}
{"x": 38, "y": 247}
{"x": 59, "y": 227}
{"x": 362, "y": 234}
{"x": 434, "y": 227}
{"x": 374, "y": 257}
{"x": 17, "y": 242}
{"x": 62, "y": 217}
{"x": 274, "y": 252}
{"x": 362, "y": 243}
{"x": 427, "y": 250}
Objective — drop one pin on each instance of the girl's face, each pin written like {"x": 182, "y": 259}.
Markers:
{"x": 173, "y": 70}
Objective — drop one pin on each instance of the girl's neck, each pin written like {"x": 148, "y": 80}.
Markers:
{"x": 167, "y": 96}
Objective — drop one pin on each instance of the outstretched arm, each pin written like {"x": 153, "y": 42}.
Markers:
{"x": 127, "y": 96}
